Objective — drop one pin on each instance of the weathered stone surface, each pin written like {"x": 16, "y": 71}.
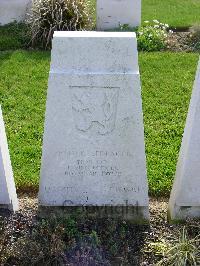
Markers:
{"x": 8, "y": 197}
{"x": 11, "y": 10}
{"x": 185, "y": 196}
{"x": 93, "y": 148}
{"x": 113, "y": 13}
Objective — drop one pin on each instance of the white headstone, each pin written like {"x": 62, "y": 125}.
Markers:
{"x": 13, "y": 10}
{"x": 185, "y": 196}
{"x": 8, "y": 197}
{"x": 93, "y": 148}
{"x": 113, "y": 13}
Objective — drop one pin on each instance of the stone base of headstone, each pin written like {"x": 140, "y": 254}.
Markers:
{"x": 134, "y": 214}
{"x": 182, "y": 213}
{"x": 184, "y": 200}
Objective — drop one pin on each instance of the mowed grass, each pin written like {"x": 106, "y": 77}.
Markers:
{"x": 23, "y": 87}
{"x": 167, "y": 80}
{"x": 177, "y": 13}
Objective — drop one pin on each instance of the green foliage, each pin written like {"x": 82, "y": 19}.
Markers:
{"x": 152, "y": 36}
{"x": 48, "y": 16}
{"x": 176, "y": 13}
{"x": 51, "y": 242}
{"x": 19, "y": 247}
{"x": 184, "y": 252}
{"x": 95, "y": 241}
{"x": 44, "y": 245}
{"x": 71, "y": 228}
{"x": 13, "y": 36}
{"x": 158, "y": 248}
{"x": 173, "y": 12}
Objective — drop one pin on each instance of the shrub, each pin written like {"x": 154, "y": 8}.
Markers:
{"x": 184, "y": 252}
{"x": 52, "y": 242}
{"x": 48, "y": 16}
{"x": 14, "y": 36}
{"x": 152, "y": 36}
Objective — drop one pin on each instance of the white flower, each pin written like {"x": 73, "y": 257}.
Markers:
{"x": 146, "y": 21}
{"x": 155, "y": 21}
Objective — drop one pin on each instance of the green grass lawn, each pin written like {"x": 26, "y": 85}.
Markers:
{"x": 167, "y": 80}
{"x": 177, "y": 13}
{"x": 23, "y": 84}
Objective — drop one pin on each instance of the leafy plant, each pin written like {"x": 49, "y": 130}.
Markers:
{"x": 48, "y": 16}
{"x": 44, "y": 244}
{"x": 185, "y": 252}
{"x": 14, "y": 36}
{"x": 152, "y": 36}
{"x": 49, "y": 242}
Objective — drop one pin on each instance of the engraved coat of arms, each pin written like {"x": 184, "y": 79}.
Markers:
{"x": 94, "y": 109}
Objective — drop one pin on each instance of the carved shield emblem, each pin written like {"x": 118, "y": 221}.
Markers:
{"x": 94, "y": 108}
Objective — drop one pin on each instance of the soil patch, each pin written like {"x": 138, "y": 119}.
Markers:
{"x": 25, "y": 240}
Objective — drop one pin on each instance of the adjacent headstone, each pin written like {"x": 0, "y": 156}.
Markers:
{"x": 8, "y": 197}
{"x": 93, "y": 147}
{"x": 185, "y": 196}
{"x": 13, "y": 10}
{"x": 112, "y": 14}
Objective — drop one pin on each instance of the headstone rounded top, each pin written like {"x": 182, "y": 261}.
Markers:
{"x": 94, "y": 52}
